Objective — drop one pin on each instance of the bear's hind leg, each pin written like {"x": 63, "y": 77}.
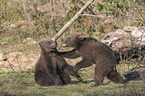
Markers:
{"x": 115, "y": 76}
{"x": 43, "y": 79}
{"x": 65, "y": 78}
{"x": 99, "y": 77}
{"x": 69, "y": 70}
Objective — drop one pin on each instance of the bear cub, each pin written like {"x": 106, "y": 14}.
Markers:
{"x": 93, "y": 51}
{"x": 52, "y": 69}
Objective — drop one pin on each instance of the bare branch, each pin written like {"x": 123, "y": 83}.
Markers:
{"x": 101, "y": 16}
{"x": 36, "y": 60}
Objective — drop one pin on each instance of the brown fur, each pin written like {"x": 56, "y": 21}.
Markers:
{"x": 93, "y": 51}
{"x": 51, "y": 68}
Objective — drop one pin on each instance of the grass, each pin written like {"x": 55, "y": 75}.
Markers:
{"x": 13, "y": 40}
{"x": 12, "y": 85}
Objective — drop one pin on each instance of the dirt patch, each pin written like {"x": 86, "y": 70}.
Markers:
{"x": 21, "y": 61}
{"x": 17, "y": 60}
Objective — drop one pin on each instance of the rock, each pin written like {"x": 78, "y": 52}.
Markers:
{"x": 129, "y": 36}
{"x": 137, "y": 33}
{"x": 117, "y": 39}
{"x": 135, "y": 75}
{"x": 8, "y": 25}
{"x": 132, "y": 75}
{"x": 120, "y": 31}
{"x": 116, "y": 45}
{"x": 129, "y": 29}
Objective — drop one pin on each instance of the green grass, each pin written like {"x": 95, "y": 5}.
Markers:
{"x": 15, "y": 40}
{"x": 12, "y": 85}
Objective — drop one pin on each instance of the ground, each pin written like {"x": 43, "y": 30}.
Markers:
{"x": 21, "y": 81}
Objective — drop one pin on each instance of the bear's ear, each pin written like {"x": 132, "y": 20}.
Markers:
{"x": 81, "y": 38}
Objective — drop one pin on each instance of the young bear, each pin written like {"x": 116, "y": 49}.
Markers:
{"x": 51, "y": 68}
{"x": 93, "y": 51}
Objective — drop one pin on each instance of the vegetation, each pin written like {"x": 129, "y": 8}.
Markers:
{"x": 12, "y": 85}
{"x": 24, "y": 22}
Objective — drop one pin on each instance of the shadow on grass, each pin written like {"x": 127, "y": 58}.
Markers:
{"x": 85, "y": 82}
{"x": 90, "y": 81}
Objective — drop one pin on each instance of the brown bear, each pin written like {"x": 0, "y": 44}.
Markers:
{"x": 93, "y": 51}
{"x": 51, "y": 68}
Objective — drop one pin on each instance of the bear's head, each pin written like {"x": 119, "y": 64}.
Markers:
{"x": 72, "y": 40}
{"x": 48, "y": 45}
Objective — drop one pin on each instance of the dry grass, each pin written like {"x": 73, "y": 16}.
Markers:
{"x": 21, "y": 28}
{"x": 13, "y": 85}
